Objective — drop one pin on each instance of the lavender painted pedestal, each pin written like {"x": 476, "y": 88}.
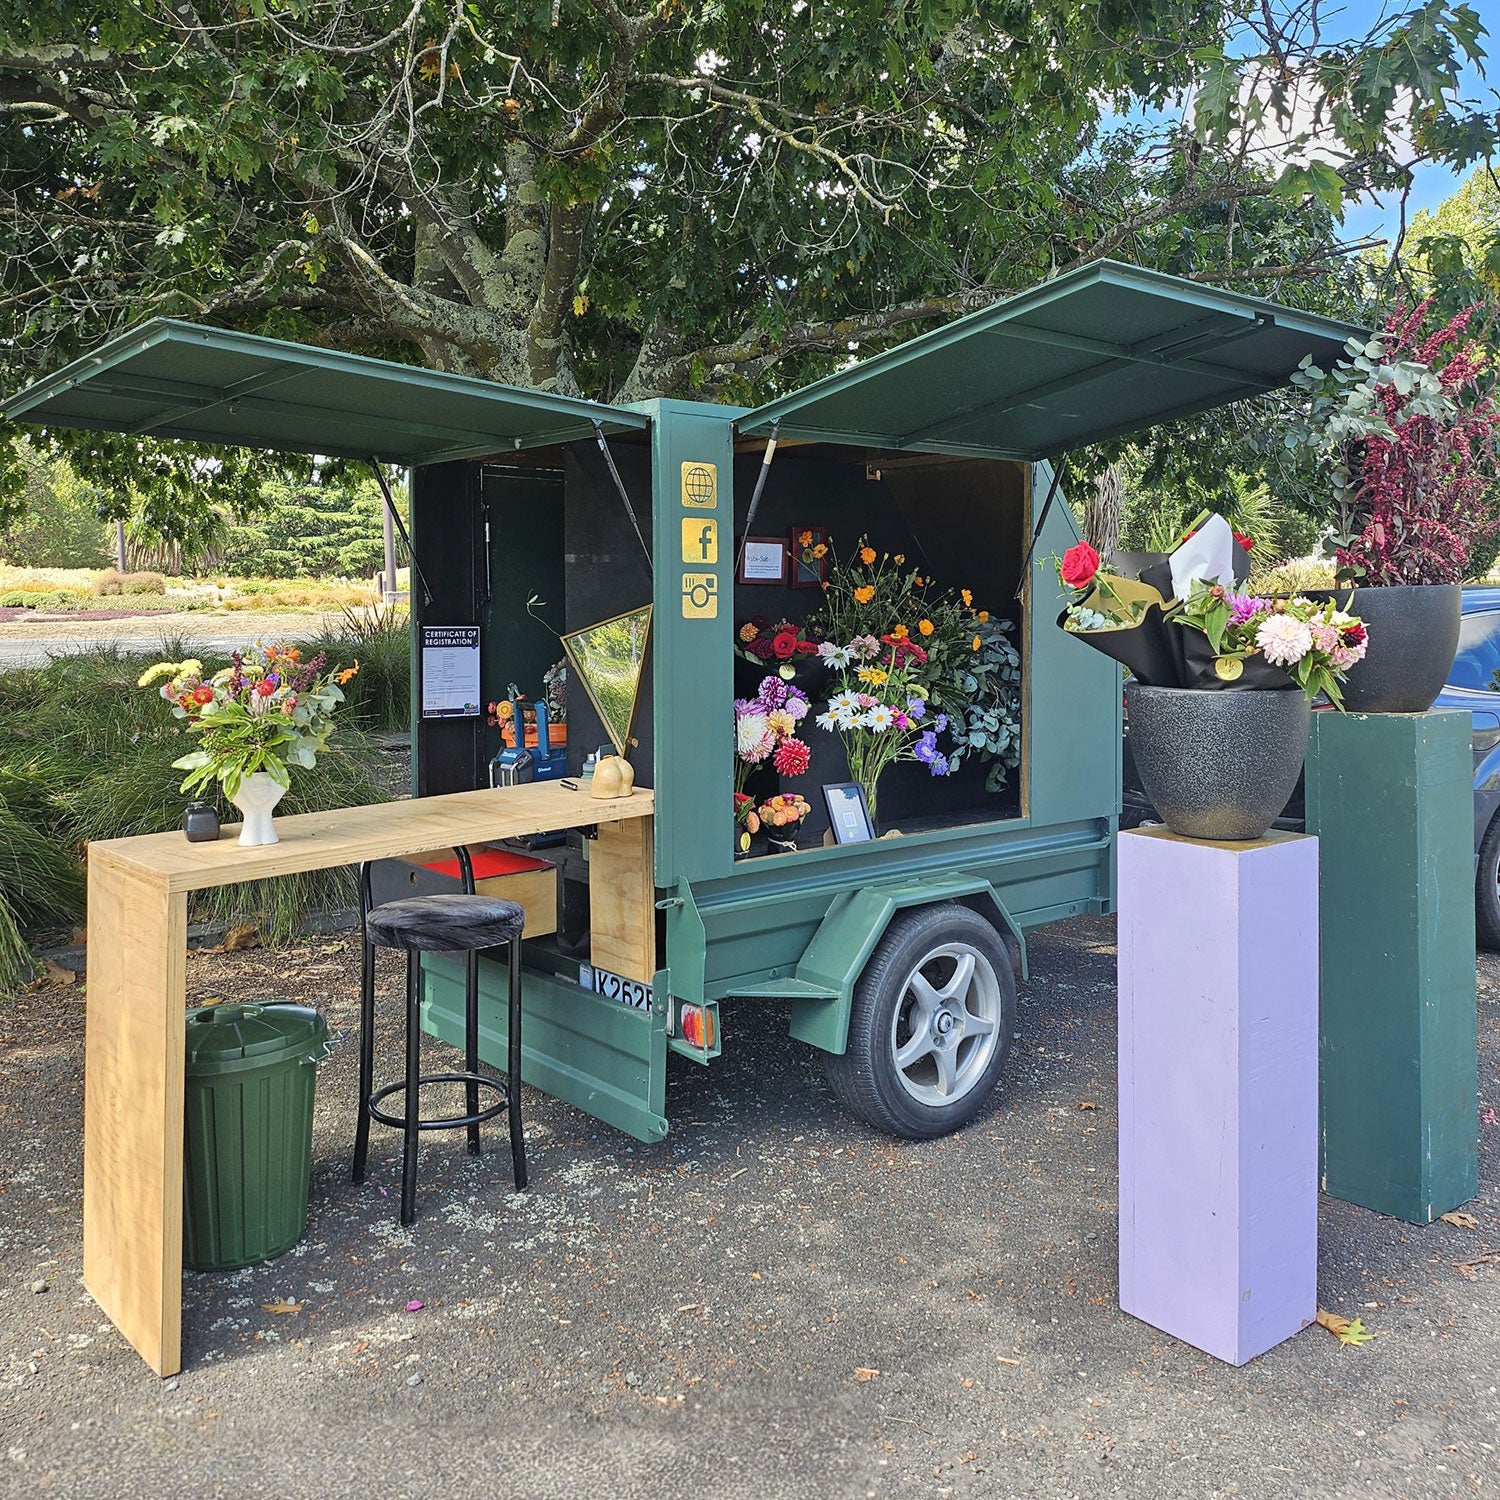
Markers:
{"x": 1218, "y": 1068}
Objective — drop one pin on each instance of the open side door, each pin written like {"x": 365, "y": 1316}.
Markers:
{"x": 1094, "y": 354}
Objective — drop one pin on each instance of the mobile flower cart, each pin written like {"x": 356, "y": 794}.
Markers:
{"x": 896, "y": 957}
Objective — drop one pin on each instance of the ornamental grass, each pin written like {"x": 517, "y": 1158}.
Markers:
{"x": 84, "y": 754}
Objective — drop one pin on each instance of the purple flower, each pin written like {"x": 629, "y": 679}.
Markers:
{"x": 773, "y": 692}
{"x": 1244, "y": 607}
{"x": 916, "y": 707}
{"x": 939, "y": 766}
{"x": 926, "y": 749}
{"x": 940, "y": 723}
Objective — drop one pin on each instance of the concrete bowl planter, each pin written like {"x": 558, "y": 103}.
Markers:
{"x": 1218, "y": 765}
{"x": 1413, "y": 636}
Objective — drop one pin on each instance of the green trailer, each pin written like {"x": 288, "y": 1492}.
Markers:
{"x": 898, "y": 958}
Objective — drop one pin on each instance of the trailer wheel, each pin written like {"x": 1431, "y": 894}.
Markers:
{"x": 931, "y": 1025}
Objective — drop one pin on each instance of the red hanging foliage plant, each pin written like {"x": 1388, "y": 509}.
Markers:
{"x": 1410, "y": 431}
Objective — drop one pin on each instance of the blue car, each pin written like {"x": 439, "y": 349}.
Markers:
{"x": 1470, "y": 686}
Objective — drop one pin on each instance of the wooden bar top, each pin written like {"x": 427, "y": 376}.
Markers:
{"x": 348, "y": 835}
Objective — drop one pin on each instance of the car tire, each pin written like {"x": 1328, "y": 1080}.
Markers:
{"x": 1487, "y": 887}
{"x": 931, "y": 1025}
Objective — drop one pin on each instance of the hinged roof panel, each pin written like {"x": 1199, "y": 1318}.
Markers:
{"x": 1102, "y": 351}
{"x": 209, "y": 385}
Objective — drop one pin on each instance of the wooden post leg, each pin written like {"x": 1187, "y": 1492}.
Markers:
{"x": 133, "y": 1107}
{"x": 622, "y": 900}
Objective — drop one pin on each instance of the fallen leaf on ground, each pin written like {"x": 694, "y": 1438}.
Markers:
{"x": 1087, "y": 1104}
{"x": 1345, "y": 1330}
{"x": 282, "y": 1307}
{"x": 1463, "y": 1221}
{"x": 863, "y": 1373}
{"x": 56, "y": 974}
{"x": 1489, "y": 1117}
{"x": 242, "y": 935}
{"x": 415, "y": 1306}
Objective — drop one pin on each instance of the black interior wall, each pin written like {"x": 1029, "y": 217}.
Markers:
{"x": 446, "y": 537}
{"x": 527, "y": 525}
{"x": 962, "y": 522}
{"x": 607, "y": 574}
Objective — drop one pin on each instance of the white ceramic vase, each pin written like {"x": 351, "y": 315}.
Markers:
{"x": 256, "y": 799}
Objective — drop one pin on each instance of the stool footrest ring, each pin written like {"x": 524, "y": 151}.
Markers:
{"x": 453, "y": 1122}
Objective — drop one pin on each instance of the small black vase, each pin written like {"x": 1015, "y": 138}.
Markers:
{"x": 200, "y": 823}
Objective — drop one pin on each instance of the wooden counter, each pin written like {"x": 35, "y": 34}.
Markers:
{"x": 136, "y": 1011}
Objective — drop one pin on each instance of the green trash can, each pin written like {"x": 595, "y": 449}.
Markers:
{"x": 247, "y": 1147}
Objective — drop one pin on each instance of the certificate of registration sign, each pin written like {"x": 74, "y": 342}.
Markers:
{"x": 450, "y": 671}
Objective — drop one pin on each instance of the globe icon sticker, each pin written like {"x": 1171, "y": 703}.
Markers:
{"x": 700, "y": 486}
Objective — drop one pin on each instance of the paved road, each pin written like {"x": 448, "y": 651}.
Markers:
{"x": 28, "y": 643}
{"x": 773, "y": 1302}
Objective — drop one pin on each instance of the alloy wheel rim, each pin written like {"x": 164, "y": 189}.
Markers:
{"x": 946, "y": 1025}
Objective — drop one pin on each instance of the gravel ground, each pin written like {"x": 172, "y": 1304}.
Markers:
{"x": 31, "y": 638}
{"x": 772, "y": 1302}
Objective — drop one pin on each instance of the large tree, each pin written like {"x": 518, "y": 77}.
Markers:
{"x": 627, "y": 198}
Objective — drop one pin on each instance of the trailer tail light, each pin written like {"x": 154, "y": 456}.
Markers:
{"x": 697, "y": 1026}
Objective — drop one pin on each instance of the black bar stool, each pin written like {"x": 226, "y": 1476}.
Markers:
{"x": 458, "y": 922}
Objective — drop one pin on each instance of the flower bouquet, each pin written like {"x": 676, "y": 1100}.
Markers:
{"x": 778, "y": 645}
{"x": 781, "y": 816}
{"x": 765, "y": 733}
{"x": 1184, "y": 624}
{"x": 265, "y": 712}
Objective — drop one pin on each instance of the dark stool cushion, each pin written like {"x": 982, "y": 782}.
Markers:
{"x": 445, "y": 924}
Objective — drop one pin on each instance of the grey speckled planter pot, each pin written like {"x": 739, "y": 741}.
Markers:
{"x": 1218, "y": 765}
{"x": 1413, "y": 635}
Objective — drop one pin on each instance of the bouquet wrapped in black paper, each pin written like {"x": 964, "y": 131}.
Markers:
{"x": 1184, "y": 620}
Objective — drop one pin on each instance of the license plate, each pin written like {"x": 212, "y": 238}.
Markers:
{"x": 629, "y": 992}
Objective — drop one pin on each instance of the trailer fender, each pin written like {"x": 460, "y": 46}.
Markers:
{"x": 855, "y": 923}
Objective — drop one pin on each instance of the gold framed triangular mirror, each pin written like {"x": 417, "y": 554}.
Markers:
{"x": 608, "y": 659}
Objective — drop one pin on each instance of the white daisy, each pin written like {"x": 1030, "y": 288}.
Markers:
{"x": 844, "y": 703}
{"x": 878, "y": 718}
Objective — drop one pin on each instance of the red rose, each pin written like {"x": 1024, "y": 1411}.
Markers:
{"x": 1354, "y": 634}
{"x": 1244, "y": 541}
{"x": 203, "y": 693}
{"x": 784, "y": 644}
{"x": 1079, "y": 565}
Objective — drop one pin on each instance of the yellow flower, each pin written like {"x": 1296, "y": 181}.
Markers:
{"x": 780, "y": 721}
{"x": 192, "y": 667}
{"x": 875, "y": 676}
{"x": 864, "y": 594}
{"x": 867, "y": 555}
{"x": 900, "y": 633}
{"x": 984, "y": 617}
{"x": 820, "y": 550}
{"x": 977, "y": 643}
{"x": 899, "y": 558}
{"x": 966, "y": 596}
{"x": 925, "y": 626}
{"x": 161, "y": 669}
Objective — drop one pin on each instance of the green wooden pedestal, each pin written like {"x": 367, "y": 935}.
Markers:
{"x": 1390, "y": 797}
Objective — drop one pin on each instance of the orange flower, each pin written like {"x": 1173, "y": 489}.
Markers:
{"x": 916, "y": 580}
{"x": 806, "y": 539}
{"x": 748, "y": 632}
{"x": 977, "y": 643}
{"x": 867, "y": 555}
{"x": 925, "y": 626}
{"x": 347, "y": 675}
{"x": 820, "y": 550}
{"x": 967, "y": 597}
{"x": 865, "y": 594}
{"x": 984, "y": 617}
{"x": 900, "y": 633}
{"x": 292, "y": 654}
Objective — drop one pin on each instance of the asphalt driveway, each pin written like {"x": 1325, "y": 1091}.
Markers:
{"x": 772, "y": 1302}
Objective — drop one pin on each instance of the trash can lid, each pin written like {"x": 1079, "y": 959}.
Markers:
{"x": 224, "y": 1037}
